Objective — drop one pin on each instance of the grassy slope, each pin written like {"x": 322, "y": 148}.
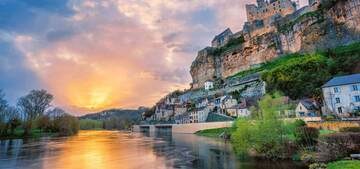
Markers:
{"x": 344, "y": 165}
{"x": 292, "y": 58}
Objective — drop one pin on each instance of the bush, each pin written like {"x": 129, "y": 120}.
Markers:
{"x": 308, "y": 157}
{"x": 350, "y": 129}
{"x": 318, "y": 166}
{"x": 306, "y": 136}
{"x": 88, "y": 124}
{"x": 66, "y": 125}
{"x": 336, "y": 146}
{"x": 330, "y": 117}
{"x": 299, "y": 123}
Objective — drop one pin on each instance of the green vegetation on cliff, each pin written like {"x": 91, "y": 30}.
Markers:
{"x": 302, "y": 75}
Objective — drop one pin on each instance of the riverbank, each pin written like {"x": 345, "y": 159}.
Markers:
{"x": 341, "y": 164}
{"x": 34, "y": 133}
{"x": 215, "y": 133}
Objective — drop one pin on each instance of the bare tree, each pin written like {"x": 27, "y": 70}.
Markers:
{"x": 14, "y": 118}
{"x": 56, "y": 112}
{"x": 34, "y": 105}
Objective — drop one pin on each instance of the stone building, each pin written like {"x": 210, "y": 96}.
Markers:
{"x": 260, "y": 17}
{"x": 342, "y": 95}
{"x": 222, "y": 38}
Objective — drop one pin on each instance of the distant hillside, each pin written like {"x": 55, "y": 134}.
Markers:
{"x": 128, "y": 114}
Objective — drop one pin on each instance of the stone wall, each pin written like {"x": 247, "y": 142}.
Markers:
{"x": 184, "y": 128}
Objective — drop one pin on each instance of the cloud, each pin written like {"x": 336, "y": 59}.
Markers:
{"x": 16, "y": 77}
{"x": 94, "y": 55}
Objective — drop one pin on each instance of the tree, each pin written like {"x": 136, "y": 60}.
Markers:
{"x": 3, "y": 116}
{"x": 34, "y": 105}
{"x": 265, "y": 132}
{"x": 14, "y": 119}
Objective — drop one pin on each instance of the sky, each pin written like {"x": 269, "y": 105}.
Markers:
{"x": 98, "y": 54}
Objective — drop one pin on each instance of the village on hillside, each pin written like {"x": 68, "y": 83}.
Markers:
{"x": 221, "y": 94}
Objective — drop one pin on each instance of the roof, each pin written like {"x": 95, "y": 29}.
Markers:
{"x": 309, "y": 104}
{"x": 343, "y": 80}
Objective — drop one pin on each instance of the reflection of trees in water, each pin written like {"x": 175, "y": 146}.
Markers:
{"x": 23, "y": 153}
{"x": 20, "y": 152}
{"x": 194, "y": 152}
{"x": 190, "y": 151}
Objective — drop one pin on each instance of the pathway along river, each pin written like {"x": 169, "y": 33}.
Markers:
{"x": 119, "y": 150}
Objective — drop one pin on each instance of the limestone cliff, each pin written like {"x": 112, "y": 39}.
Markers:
{"x": 299, "y": 32}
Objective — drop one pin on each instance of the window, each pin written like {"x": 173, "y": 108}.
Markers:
{"x": 355, "y": 88}
{"x": 340, "y": 110}
{"x": 302, "y": 114}
{"x": 336, "y": 89}
{"x": 337, "y": 100}
{"x": 356, "y": 98}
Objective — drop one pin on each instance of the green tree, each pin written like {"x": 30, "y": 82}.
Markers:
{"x": 264, "y": 134}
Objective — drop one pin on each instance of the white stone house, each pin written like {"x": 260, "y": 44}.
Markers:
{"x": 227, "y": 102}
{"x": 342, "y": 95}
{"x": 199, "y": 115}
{"x": 209, "y": 84}
{"x": 238, "y": 111}
{"x": 307, "y": 108}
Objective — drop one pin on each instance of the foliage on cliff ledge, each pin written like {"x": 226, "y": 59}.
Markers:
{"x": 302, "y": 75}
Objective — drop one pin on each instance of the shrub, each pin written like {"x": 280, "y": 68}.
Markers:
{"x": 299, "y": 123}
{"x": 330, "y": 117}
{"x": 66, "y": 125}
{"x": 350, "y": 129}
{"x": 306, "y": 136}
{"x": 336, "y": 146}
{"x": 308, "y": 157}
{"x": 318, "y": 166}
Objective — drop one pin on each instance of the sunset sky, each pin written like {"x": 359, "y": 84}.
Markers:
{"x": 98, "y": 54}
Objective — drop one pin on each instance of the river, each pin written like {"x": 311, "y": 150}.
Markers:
{"x": 120, "y": 150}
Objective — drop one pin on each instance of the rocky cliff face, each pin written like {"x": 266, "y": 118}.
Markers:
{"x": 337, "y": 26}
{"x": 309, "y": 32}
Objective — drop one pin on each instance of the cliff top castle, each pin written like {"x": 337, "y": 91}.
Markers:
{"x": 274, "y": 28}
{"x": 262, "y": 17}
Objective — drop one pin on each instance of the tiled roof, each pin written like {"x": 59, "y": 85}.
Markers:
{"x": 309, "y": 104}
{"x": 343, "y": 80}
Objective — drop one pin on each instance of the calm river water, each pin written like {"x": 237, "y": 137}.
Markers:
{"x": 119, "y": 150}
